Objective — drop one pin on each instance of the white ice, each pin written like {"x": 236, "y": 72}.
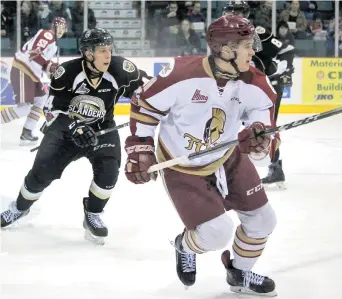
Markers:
{"x": 46, "y": 256}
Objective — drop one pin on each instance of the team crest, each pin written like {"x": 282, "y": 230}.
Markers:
{"x": 59, "y": 72}
{"x": 87, "y": 34}
{"x": 213, "y": 130}
{"x": 260, "y": 30}
{"x": 128, "y": 66}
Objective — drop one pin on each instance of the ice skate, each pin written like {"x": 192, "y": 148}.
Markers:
{"x": 12, "y": 214}
{"x": 95, "y": 229}
{"x": 275, "y": 176}
{"x": 247, "y": 282}
{"x": 185, "y": 264}
{"x": 27, "y": 138}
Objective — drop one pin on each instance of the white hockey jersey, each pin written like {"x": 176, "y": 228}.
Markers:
{"x": 38, "y": 51}
{"x": 195, "y": 113}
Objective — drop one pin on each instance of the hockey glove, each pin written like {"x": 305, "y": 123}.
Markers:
{"x": 82, "y": 134}
{"x": 141, "y": 157}
{"x": 251, "y": 142}
{"x": 50, "y": 67}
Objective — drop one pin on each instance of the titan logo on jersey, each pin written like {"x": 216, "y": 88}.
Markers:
{"x": 84, "y": 106}
{"x": 213, "y": 130}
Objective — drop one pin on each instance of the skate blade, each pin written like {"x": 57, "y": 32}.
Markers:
{"x": 94, "y": 239}
{"x": 27, "y": 142}
{"x": 277, "y": 185}
{"x": 241, "y": 290}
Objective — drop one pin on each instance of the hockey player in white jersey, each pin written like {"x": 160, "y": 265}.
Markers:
{"x": 200, "y": 102}
{"x": 30, "y": 71}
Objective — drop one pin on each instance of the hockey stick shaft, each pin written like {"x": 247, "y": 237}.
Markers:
{"x": 98, "y": 133}
{"x": 226, "y": 145}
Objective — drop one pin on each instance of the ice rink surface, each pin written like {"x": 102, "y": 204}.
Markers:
{"x": 46, "y": 256}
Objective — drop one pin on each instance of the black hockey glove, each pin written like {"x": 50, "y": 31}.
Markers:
{"x": 82, "y": 134}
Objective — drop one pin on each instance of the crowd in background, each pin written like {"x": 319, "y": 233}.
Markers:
{"x": 178, "y": 27}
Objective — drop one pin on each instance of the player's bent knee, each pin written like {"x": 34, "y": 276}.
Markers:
{"x": 215, "y": 233}
{"x": 37, "y": 182}
{"x": 106, "y": 172}
{"x": 262, "y": 223}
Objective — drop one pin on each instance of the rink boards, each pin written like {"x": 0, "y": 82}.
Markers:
{"x": 317, "y": 84}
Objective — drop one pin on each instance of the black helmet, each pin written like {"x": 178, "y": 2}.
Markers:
{"x": 95, "y": 37}
{"x": 237, "y": 7}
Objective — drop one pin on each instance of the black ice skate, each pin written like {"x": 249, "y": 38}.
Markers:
{"x": 27, "y": 138}
{"x": 95, "y": 229}
{"x": 247, "y": 282}
{"x": 12, "y": 214}
{"x": 275, "y": 176}
{"x": 185, "y": 263}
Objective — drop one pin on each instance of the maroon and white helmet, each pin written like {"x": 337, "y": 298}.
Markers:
{"x": 59, "y": 21}
{"x": 230, "y": 29}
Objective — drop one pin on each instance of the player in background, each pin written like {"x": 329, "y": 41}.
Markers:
{"x": 276, "y": 61}
{"x": 31, "y": 68}
{"x": 200, "y": 102}
{"x": 82, "y": 97}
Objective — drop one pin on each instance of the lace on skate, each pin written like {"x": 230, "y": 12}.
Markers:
{"x": 95, "y": 220}
{"x": 11, "y": 214}
{"x": 188, "y": 262}
{"x": 252, "y": 278}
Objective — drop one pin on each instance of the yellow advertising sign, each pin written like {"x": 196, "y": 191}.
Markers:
{"x": 322, "y": 81}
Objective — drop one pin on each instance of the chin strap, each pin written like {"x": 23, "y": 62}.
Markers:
{"x": 218, "y": 72}
{"x": 91, "y": 73}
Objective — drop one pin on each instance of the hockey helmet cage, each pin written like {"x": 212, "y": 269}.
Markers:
{"x": 237, "y": 8}
{"x": 228, "y": 29}
{"x": 93, "y": 38}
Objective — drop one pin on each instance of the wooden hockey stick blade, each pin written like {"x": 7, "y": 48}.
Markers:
{"x": 98, "y": 133}
{"x": 226, "y": 145}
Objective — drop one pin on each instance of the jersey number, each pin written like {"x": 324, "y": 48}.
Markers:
{"x": 42, "y": 43}
{"x": 276, "y": 42}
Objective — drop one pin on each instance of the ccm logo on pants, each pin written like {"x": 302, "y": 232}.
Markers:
{"x": 254, "y": 190}
{"x": 103, "y": 145}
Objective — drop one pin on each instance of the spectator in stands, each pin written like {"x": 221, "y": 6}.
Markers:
{"x": 263, "y": 16}
{"x": 171, "y": 16}
{"x": 195, "y": 15}
{"x": 29, "y": 21}
{"x": 5, "y": 22}
{"x": 316, "y": 27}
{"x": 56, "y": 9}
{"x": 296, "y": 20}
{"x": 284, "y": 34}
{"x": 167, "y": 43}
{"x": 330, "y": 39}
{"x": 187, "y": 39}
{"x": 78, "y": 16}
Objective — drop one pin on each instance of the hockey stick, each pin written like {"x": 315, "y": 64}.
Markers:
{"x": 98, "y": 133}
{"x": 226, "y": 145}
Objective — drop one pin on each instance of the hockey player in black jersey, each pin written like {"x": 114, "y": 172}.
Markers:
{"x": 276, "y": 61}
{"x": 81, "y": 102}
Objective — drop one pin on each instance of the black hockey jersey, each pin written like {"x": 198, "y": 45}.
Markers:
{"x": 271, "y": 46}
{"x": 73, "y": 93}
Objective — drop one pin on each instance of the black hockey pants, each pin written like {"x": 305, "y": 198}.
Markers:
{"x": 56, "y": 152}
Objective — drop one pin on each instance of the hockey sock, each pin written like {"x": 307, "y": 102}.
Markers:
{"x": 33, "y": 118}
{"x": 246, "y": 250}
{"x": 189, "y": 243}
{"x": 26, "y": 198}
{"x": 35, "y": 112}
{"x": 12, "y": 113}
